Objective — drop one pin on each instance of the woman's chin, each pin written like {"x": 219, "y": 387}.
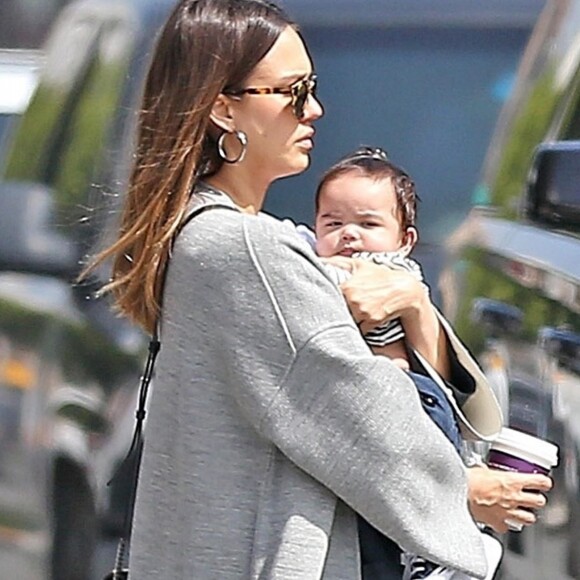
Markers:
{"x": 298, "y": 164}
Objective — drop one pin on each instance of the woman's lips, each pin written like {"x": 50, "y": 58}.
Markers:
{"x": 306, "y": 143}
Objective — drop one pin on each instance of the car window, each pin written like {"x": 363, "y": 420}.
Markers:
{"x": 18, "y": 79}
{"x": 571, "y": 125}
{"x": 62, "y": 140}
{"x": 546, "y": 107}
{"x": 6, "y": 122}
{"x": 428, "y": 96}
{"x": 51, "y": 105}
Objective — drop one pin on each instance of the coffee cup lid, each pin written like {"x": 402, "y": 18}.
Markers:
{"x": 527, "y": 447}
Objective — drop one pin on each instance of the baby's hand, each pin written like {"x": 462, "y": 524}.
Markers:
{"x": 401, "y": 363}
{"x": 348, "y": 264}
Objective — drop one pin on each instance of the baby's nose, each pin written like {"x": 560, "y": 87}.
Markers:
{"x": 349, "y": 232}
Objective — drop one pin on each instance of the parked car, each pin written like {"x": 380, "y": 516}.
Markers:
{"x": 512, "y": 284}
{"x": 425, "y": 83}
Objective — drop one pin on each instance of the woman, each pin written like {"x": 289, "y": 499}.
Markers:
{"x": 270, "y": 423}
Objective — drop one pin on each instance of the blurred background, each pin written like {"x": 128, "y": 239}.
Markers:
{"x": 25, "y": 23}
{"x": 424, "y": 79}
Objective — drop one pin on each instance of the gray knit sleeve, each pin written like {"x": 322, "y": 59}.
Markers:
{"x": 307, "y": 381}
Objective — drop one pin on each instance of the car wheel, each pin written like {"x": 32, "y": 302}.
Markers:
{"x": 74, "y": 527}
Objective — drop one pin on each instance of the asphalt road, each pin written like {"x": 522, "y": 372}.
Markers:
{"x": 541, "y": 560}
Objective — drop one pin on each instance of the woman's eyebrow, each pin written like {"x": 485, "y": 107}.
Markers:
{"x": 291, "y": 77}
{"x": 295, "y": 75}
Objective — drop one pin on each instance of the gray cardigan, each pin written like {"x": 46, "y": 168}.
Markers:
{"x": 271, "y": 423}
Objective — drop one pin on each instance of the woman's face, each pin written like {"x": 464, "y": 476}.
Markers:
{"x": 279, "y": 143}
{"x": 359, "y": 214}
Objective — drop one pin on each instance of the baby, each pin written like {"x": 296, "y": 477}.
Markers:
{"x": 366, "y": 208}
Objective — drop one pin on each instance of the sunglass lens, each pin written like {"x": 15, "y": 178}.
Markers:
{"x": 300, "y": 93}
{"x": 300, "y": 96}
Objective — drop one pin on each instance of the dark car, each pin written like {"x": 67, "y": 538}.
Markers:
{"x": 512, "y": 285}
{"x": 425, "y": 83}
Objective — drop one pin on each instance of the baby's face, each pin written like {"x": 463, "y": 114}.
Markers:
{"x": 358, "y": 214}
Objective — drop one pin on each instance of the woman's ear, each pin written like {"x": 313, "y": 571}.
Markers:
{"x": 221, "y": 114}
{"x": 410, "y": 238}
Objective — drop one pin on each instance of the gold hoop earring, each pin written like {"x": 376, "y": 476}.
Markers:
{"x": 243, "y": 140}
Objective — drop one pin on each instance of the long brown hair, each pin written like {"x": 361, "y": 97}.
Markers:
{"x": 206, "y": 47}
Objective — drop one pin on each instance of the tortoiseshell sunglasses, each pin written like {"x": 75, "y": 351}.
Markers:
{"x": 299, "y": 91}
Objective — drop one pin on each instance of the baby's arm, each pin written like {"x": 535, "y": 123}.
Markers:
{"x": 424, "y": 333}
{"x": 421, "y": 325}
{"x": 396, "y": 351}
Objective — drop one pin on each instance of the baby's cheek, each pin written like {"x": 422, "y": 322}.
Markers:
{"x": 324, "y": 246}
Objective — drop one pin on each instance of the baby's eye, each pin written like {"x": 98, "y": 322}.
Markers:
{"x": 370, "y": 224}
{"x": 333, "y": 224}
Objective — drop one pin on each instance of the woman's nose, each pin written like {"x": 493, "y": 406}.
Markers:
{"x": 313, "y": 109}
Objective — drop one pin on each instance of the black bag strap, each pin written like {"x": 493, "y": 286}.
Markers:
{"x": 129, "y": 467}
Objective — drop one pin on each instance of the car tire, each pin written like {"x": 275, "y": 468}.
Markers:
{"x": 74, "y": 527}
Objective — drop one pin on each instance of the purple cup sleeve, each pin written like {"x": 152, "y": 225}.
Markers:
{"x": 500, "y": 460}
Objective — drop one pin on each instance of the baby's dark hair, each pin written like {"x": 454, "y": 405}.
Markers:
{"x": 374, "y": 162}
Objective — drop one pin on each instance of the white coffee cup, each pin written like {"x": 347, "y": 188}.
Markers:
{"x": 515, "y": 450}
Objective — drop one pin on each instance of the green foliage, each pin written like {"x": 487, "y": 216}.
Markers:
{"x": 26, "y": 161}
{"x": 87, "y": 132}
{"x": 528, "y": 130}
{"x": 60, "y": 139}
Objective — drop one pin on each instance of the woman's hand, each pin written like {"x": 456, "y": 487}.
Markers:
{"x": 496, "y": 496}
{"x": 376, "y": 294}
